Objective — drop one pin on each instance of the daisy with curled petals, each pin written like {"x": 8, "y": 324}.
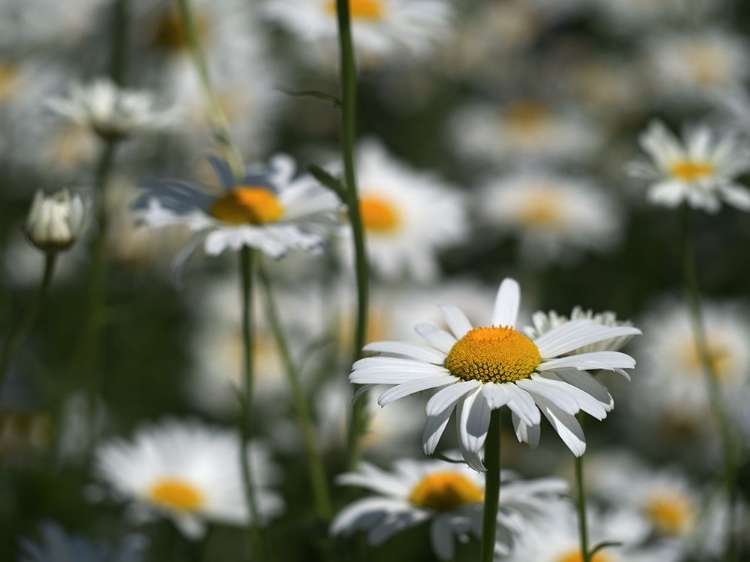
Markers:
{"x": 699, "y": 170}
{"x": 477, "y": 370}
{"x": 448, "y": 495}
{"x": 268, "y": 209}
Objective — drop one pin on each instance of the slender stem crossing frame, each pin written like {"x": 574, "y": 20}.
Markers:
{"x": 491, "y": 488}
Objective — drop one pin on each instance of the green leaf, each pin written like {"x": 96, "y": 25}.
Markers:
{"x": 603, "y": 545}
{"x": 331, "y": 182}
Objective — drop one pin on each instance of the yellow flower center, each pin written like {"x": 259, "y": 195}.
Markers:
{"x": 361, "y": 9}
{"x": 176, "y": 494}
{"x": 493, "y": 355}
{"x": 526, "y": 120}
{"x": 574, "y": 555}
{"x": 690, "y": 170}
{"x": 247, "y": 205}
{"x": 542, "y": 209}
{"x": 378, "y": 214}
{"x": 445, "y": 491}
{"x": 171, "y": 33}
{"x": 671, "y": 514}
{"x": 718, "y": 356}
{"x": 9, "y": 79}
{"x": 708, "y": 63}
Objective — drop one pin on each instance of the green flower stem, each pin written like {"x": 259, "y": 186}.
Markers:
{"x": 248, "y": 259}
{"x": 218, "y": 119}
{"x": 692, "y": 296}
{"x": 314, "y": 460}
{"x": 582, "y": 523}
{"x": 491, "y": 488}
{"x": 21, "y": 332}
{"x": 358, "y": 422}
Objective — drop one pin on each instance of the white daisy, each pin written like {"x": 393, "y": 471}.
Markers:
{"x": 700, "y": 170}
{"x": 55, "y": 221}
{"x": 408, "y": 215}
{"x": 481, "y": 369}
{"x": 110, "y": 111}
{"x": 694, "y": 67}
{"x": 189, "y": 473}
{"x": 380, "y": 28}
{"x": 526, "y": 129}
{"x": 448, "y": 495}
{"x": 633, "y": 16}
{"x": 268, "y": 209}
{"x": 554, "y": 217}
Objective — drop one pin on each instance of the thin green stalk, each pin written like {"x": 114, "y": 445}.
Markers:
{"x": 314, "y": 460}
{"x": 692, "y": 296}
{"x": 21, "y": 332}
{"x": 358, "y": 421}
{"x": 219, "y": 122}
{"x": 582, "y": 523}
{"x": 248, "y": 258}
{"x": 491, "y": 488}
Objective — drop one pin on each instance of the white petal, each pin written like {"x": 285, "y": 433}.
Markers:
{"x": 477, "y": 423}
{"x": 737, "y": 196}
{"x": 463, "y": 409}
{"x": 411, "y": 387}
{"x": 523, "y": 404}
{"x": 576, "y": 334}
{"x": 588, "y": 384}
{"x": 456, "y": 320}
{"x": 507, "y": 302}
{"x": 448, "y": 396}
{"x": 553, "y": 395}
{"x": 441, "y": 537}
{"x": 433, "y": 430}
{"x": 526, "y": 433}
{"x": 567, "y": 426}
{"x": 349, "y": 519}
{"x": 609, "y": 360}
{"x": 583, "y": 401}
{"x": 497, "y": 395}
{"x": 440, "y": 339}
{"x": 412, "y": 350}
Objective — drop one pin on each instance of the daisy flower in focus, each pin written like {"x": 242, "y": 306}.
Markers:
{"x": 554, "y": 217}
{"x": 526, "y": 129}
{"x": 189, "y": 473}
{"x": 268, "y": 209}
{"x": 110, "y": 111}
{"x": 408, "y": 215}
{"x": 380, "y": 28}
{"x": 448, "y": 495}
{"x": 700, "y": 169}
{"x": 55, "y": 545}
{"x": 477, "y": 370}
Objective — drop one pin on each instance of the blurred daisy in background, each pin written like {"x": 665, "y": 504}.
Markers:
{"x": 380, "y": 28}
{"x": 556, "y": 218}
{"x": 634, "y": 16}
{"x": 525, "y": 129}
{"x": 408, "y": 216}
{"x": 55, "y": 545}
{"x": 269, "y": 209}
{"x": 189, "y": 473}
{"x": 448, "y": 495}
{"x": 700, "y": 169}
{"x": 694, "y": 67}
{"x": 477, "y": 370}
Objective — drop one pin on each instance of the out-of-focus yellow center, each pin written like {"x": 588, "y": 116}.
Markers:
{"x": 9, "y": 75}
{"x": 247, "y": 205}
{"x": 671, "y": 514}
{"x": 171, "y": 34}
{"x": 361, "y": 9}
{"x": 708, "y": 63}
{"x": 718, "y": 356}
{"x": 176, "y": 494}
{"x": 575, "y": 556}
{"x": 493, "y": 355}
{"x": 691, "y": 170}
{"x": 378, "y": 214}
{"x": 526, "y": 119}
{"x": 445, "y": 491}
{"x": 542, "y": 209}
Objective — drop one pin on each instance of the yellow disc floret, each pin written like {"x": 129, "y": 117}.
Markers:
{"x": 445, "y": 491}
{"x": 493, "y": 354}
{"x": 575, "y": 556}
{"x": 671, "y": 514}
{"x": 176, "y": 494}
{"x": 691, "y": 170}
{"x": 361, "y": 9}
{"x": 247, "y": 205}
{"x": 378, "y": 214}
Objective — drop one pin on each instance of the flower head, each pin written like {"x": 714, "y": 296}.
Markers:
{"x": 110, "y": 111}
{"x": 448, "y": 495}
{"x": 700, "y": 170}
{"x": 188, "y": 473}
{"x": 268, "y": 209}
{"x": 477, "y": 370}
{"x": 55, "y": 221}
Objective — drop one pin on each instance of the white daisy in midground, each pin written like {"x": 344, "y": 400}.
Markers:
{"x": 694, "y": 67}
{"x": 556, "y": 218}
{"x": 408, "y": 215}
{"x": 187, "y": 472}
{"x": 269, "y": 209}
{"x": 110, "y": 111}
{"x": 380, "y": 28}
{"x": 700, "y": 169}
{"x": 477, "y": 370}
{"x": 525, "y": 129}
{"x": 448, "y": 495}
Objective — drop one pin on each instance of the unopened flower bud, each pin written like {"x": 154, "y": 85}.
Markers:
{"x": 55, "y": 221}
